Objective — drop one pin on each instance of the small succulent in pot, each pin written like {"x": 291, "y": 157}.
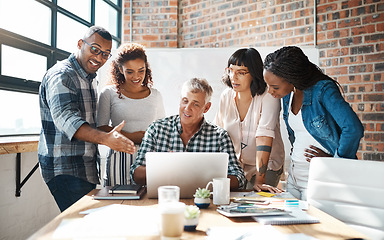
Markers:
{"x": 191, "y": 215}
{"x": 202, "y": 193}
{"x": 202, "y": 197}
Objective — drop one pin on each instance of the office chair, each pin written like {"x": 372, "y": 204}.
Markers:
{"x": 351, "y": 191}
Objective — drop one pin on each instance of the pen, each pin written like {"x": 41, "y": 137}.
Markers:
{"x": 251, "y": 201}
{"x": 248, "y": 193}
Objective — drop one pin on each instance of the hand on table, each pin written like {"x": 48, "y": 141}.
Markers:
{"x": 313, "y": 151}
{"x": 266, "y": 187}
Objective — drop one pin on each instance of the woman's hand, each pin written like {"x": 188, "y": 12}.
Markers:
{"x": 266, "y": 187}
{"x": 313, "y": 151}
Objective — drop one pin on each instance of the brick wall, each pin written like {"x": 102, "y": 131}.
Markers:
{"x": 349, "y": 35}
{"x": 154, "y": 23}
{"x": 351, "y": 42}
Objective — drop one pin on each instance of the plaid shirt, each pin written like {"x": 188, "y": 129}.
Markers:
{"x": 67, "y": 101}
{"x": 164, "y": 136}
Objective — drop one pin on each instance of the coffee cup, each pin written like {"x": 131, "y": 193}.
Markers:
{"x": 168, "y": 194}
{"x": 172, "y": 220}
{"x": 221, "y": 190}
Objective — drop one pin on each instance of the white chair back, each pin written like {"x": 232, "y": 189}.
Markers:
{"x": 351, "y": 191}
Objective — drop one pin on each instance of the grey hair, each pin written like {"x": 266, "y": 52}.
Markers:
{"x": 196, "y": 85}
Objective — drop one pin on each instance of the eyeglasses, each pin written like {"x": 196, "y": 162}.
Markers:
{"x": 96, "y": 51}
{"x": 239, "y": 73}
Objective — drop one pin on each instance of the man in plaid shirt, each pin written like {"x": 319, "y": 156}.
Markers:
{"x": 67, "y": 150}
{"x": 188, "y": 132}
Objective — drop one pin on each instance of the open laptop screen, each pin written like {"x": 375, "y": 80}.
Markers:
{"x": 188, "y": 170}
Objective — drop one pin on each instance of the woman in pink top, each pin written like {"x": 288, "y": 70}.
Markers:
{"x": 251, "y": 117}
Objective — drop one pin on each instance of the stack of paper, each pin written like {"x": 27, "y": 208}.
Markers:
{"x": 111, "y": 222}
{"x": 296, "y": 216}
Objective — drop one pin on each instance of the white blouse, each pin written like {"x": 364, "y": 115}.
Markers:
{"x": 262, "y": 119}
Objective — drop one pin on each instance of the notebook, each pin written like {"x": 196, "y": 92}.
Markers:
{"x": 297, "y": 216}
{"x": 130, "y": 188}
{"x": 103, "y": 194}
{"x": 188, "y": 170}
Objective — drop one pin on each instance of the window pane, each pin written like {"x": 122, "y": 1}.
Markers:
{"x": 106, "y": 16}
{"x": 115, "y": 44}
{"x": 28, "y": 18}
{"x": 22, "y": 64}
{"x": 22, "y": 115}
{"x": 69, "y": 32}
{"x": 81, "y": 8}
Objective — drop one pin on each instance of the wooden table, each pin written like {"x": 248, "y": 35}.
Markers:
{"x": 329, "y": 228}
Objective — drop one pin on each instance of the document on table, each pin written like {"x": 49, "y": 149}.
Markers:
{"x": 277, "y": 200}
{"x": 261, "y": 195}
{"x": 112, "y": 222}
{"x": 296, "y": 216}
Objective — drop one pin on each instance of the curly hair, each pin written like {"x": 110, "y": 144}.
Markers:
{"x": 250, "y": 58}
{"x": 127, "y": 52}
{"x": 291, "y": 64}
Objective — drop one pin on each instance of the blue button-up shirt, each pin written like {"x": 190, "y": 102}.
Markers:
{"x": 164, "y": 136}
{"x": 67, "y": 101}
{"x": 329, "y": 119}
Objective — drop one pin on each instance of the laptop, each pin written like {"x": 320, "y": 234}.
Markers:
{"x": 188, "y": 170}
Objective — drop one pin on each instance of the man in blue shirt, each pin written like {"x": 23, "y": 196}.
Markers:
{"x": 67, "y": 151}
{"x": 188, "y": 132}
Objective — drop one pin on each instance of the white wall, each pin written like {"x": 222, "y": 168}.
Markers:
{"x": 172, "y": 67}
{"x": 21, "y": 216}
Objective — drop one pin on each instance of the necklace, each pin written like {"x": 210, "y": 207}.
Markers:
{"x": 245, "y": 144}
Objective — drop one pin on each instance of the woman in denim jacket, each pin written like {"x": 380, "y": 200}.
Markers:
{"x": 319, "y": 121}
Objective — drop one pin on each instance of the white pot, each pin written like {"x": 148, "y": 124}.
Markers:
{"x": 190, "y": 224}
{"x": 202, "y": 202}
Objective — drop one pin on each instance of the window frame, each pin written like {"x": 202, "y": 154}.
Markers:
{"x": 51, "y": 52}
{"x": 53, "y": 55}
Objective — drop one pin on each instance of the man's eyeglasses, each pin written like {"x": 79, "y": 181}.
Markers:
{"x": 238, "y": 73}
{"x": 96, "y": 51}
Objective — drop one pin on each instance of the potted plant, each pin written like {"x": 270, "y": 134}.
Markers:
{"x": 202, "y": 197}
{"x": 191, "y": 215}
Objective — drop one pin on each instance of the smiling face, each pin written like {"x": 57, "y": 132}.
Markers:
{"x": 277, "y": 86}
{"x": 240, "y": 78}
{"x": 192, "y": 107}
{"x": 88, "y": 61}
{"x": 134, "y": 72}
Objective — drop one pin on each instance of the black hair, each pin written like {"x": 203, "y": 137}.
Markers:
{"x": 250, "y": 58}
{"x": 99, "y": 30}
{"x": 291, "y": 64}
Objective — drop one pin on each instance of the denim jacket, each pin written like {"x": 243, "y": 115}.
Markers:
{"x": 329, "y": 119}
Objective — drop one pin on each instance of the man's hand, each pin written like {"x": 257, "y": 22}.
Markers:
{"x": 118, "y": 141}
{"x": 313, "y": 151}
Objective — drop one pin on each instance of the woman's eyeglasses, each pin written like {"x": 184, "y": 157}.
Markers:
{"x": 239, "y": 73}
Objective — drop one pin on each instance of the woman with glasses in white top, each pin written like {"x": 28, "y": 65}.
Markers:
{"x": 251, "y": 117}
{"x": 129, "y": 97}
